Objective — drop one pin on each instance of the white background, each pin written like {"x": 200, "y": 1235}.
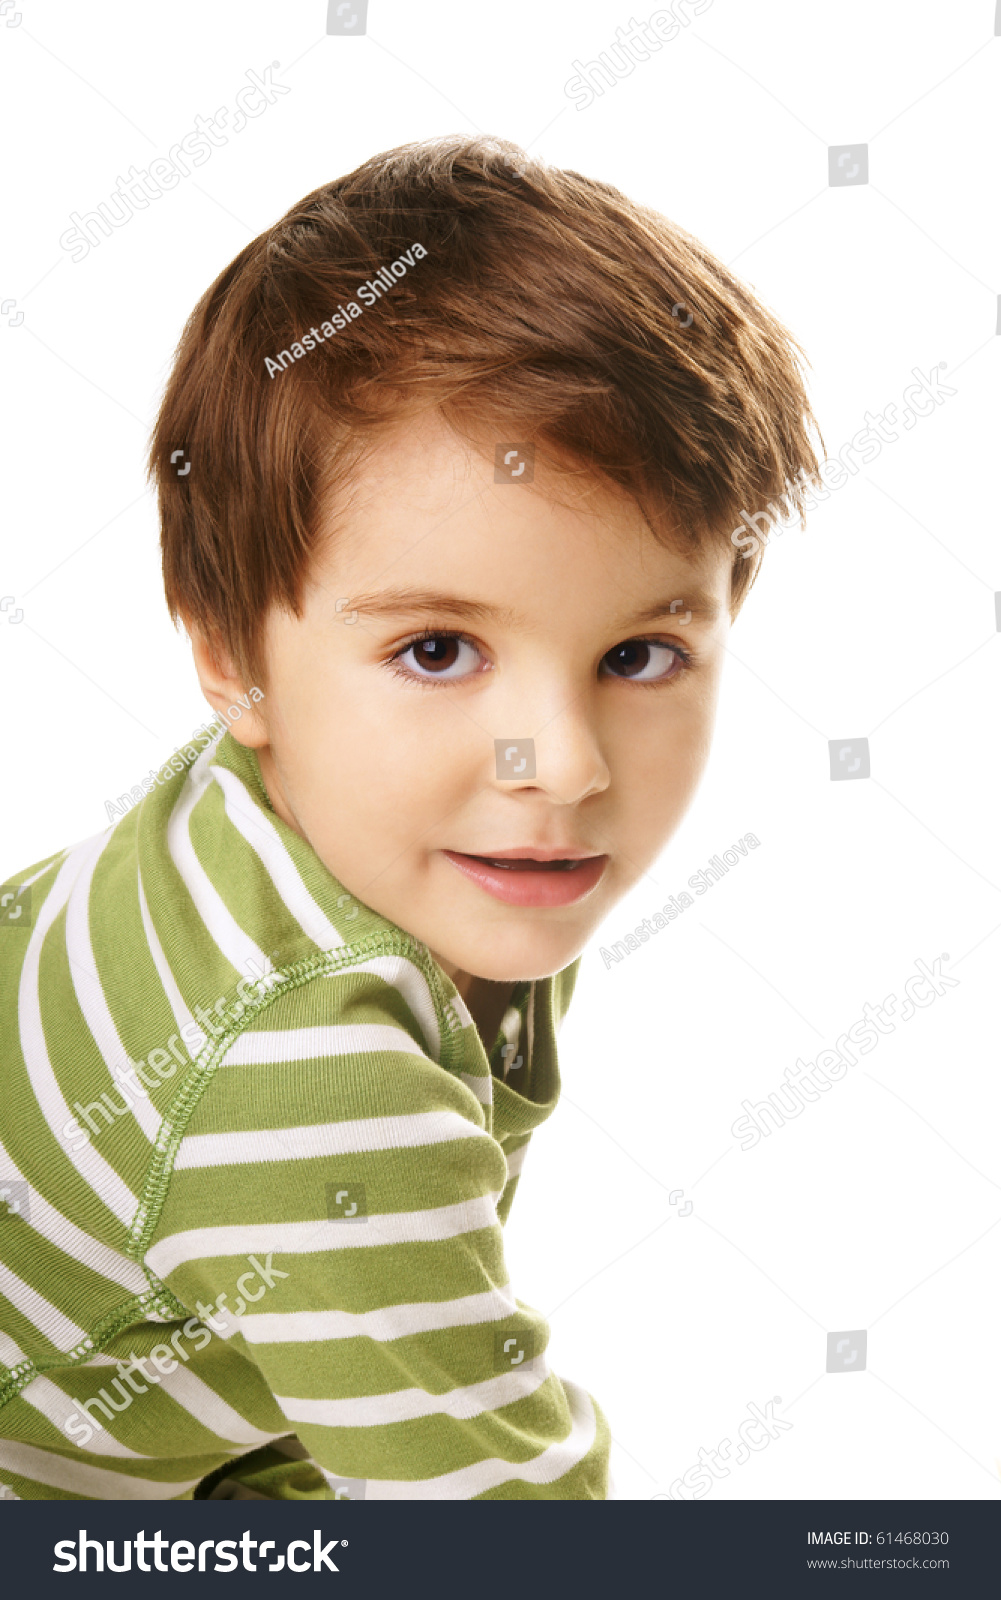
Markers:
{"x": 878, "y": 1207}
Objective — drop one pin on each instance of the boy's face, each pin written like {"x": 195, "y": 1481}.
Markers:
{"x": 544, "y": 709}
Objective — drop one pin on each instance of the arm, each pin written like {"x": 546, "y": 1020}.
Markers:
{"x": 393, "y": 1345}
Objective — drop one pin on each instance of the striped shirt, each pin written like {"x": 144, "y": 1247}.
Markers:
{"x": 254, "y": 1166}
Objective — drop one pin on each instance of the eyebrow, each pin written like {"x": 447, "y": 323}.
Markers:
{"x": 426, "y": 602}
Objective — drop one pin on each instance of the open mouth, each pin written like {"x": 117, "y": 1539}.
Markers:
{"x": 523, "y": 864}
{"x": 522, "y": 881}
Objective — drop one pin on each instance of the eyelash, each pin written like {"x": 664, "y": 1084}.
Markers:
{"x": 417, "y": 638}
{"x": 685, "y": 657}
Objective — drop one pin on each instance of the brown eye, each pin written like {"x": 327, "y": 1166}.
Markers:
{"x": 642, "y": 659}
{"x": 437, "y": 657}
{"x": 437, "y": 654}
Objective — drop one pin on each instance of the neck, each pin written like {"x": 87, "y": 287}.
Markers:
{"x": 485, "y": 999}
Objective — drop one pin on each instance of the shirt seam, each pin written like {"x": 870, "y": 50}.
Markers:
{"x": 107, "y": 1327}
{"x": 174, "y": 1125}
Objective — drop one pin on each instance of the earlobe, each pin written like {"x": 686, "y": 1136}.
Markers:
{"x": 249, "y": 731}
{"x": 224, "y": 690}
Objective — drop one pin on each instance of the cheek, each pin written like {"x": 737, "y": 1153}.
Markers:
{"x": 373, "y": 759}
{"x": 664, "y": 788}
{"x": 657, "y": 771}
{"x": 665, "y": 740}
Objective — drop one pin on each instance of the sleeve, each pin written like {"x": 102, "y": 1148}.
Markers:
{"x": 336, "y": 1191}
{"x": 279, "y": 1471}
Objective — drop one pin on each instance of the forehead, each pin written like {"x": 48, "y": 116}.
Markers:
{"x": 429, "y": 512}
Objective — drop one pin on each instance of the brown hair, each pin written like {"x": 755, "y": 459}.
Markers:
{"x": 549, "y": 305}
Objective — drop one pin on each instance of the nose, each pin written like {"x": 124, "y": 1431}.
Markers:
{"x": 561, "y": 757}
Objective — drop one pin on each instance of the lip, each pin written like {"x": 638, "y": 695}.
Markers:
{"x": 534, "y": 886}
{"x": 530, "y": 853}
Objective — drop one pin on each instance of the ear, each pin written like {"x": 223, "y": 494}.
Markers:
{"x": 225, "y": 691}
{"x": 755, "y": 563}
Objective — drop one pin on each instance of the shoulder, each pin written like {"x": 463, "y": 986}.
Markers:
{"x": 318, "y": 1057}
{"x": 334, "y": 1077}
{"x": 380, "y": 996}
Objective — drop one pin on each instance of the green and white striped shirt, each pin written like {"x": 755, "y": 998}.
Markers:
{"x": 254, "y": 1165}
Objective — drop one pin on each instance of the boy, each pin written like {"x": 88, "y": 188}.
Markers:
{"x": 447, "y": 464}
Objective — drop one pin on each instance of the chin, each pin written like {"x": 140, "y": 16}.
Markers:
{"x": 515, "y": 957}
